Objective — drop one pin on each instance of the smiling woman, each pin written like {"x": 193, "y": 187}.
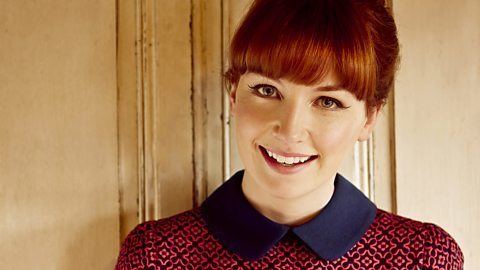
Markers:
{"x": 279, "y": 122}
{"x": 306, "y": 82}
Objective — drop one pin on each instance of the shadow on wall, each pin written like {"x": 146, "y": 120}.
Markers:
{"x": 58, "y": 247}
{"x": 78, "y": 246}
{"x": 87, "y": 248}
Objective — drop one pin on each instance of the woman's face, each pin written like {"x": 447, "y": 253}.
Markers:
{"x": 293, "y": 138}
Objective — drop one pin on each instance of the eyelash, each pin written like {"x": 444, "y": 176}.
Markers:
{"x": 255, "y": 89}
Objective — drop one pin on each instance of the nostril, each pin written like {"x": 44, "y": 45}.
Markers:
{"x": 290, "y": 133}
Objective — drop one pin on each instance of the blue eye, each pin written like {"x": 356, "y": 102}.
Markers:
{"x": 264, "y": 90}
{"x": 330, "y": 103}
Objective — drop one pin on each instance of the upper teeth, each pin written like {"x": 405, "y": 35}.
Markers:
{"x": 287, "y": 160}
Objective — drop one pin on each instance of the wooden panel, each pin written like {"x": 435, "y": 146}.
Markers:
{"x": 58, "y": 147}
{"x": 156, "y": 125}
{"x": 384, "y": 159}
{"x": 208, "y": 94}
{"x": 129, "y": 141}
{"x": 171, "y": 106}
{"x": 437, "y": 117}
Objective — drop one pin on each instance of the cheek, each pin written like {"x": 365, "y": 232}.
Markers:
{"x": 336, "y": 137}
{"x": 250, "y": 120}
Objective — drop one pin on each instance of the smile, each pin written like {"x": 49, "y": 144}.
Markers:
{"x": 287, "y": 163}
{"x": 286, "y": 160}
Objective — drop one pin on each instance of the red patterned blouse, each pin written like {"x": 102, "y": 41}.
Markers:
{"x": 226, "y": 232}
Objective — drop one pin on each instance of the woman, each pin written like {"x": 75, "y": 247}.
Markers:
{"x": 307, "y": 80}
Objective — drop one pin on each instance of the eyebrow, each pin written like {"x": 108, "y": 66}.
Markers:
{"x": 330, "y": 88}
{"x": 325, "y": 88}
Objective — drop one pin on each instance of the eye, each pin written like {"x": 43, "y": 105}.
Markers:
{"x": 264, "y": 90}
{"x": 329, "y": 103}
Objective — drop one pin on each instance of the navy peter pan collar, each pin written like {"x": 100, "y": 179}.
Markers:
{"x": 246, "y": 232}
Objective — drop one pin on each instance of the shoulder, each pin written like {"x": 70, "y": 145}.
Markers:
{"x": 167, "y": 228}
{"x": 150, "y": 240}
{"x": 385, "y": 218}
{"x": 441, "y": 251}
{"x": 396, "y": 234}
{"x": 392, "y": 226}
{"x": 436, "y": 249}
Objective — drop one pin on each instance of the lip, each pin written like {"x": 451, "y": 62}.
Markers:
{"x": 286, "y": 154}
{"x": 275, "y": 166}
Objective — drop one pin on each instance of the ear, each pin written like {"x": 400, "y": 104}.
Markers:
{"x": 232, "y": 96}
{"x": 367, "y": 128}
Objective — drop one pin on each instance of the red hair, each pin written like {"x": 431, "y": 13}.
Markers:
{"x": 303, "y": 40}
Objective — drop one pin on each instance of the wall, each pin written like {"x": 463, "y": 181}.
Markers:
{"x": 437, "y": 117}
{"x": 58, "y": 148}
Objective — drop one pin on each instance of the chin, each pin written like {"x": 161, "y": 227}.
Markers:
{"x": 285, "y": 188}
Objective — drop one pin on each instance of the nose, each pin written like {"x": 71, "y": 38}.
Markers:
{"x": 290, "y": 127}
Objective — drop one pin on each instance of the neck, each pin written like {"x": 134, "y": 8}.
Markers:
{"x": 288, "y": 211}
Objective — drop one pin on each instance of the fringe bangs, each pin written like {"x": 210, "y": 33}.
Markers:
{"x": 304, "y": 40}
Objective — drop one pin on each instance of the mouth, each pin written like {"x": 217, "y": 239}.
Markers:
{"x": 292, "y": 163}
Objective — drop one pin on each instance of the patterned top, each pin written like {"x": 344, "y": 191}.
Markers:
{"x": 226, "y": 232}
